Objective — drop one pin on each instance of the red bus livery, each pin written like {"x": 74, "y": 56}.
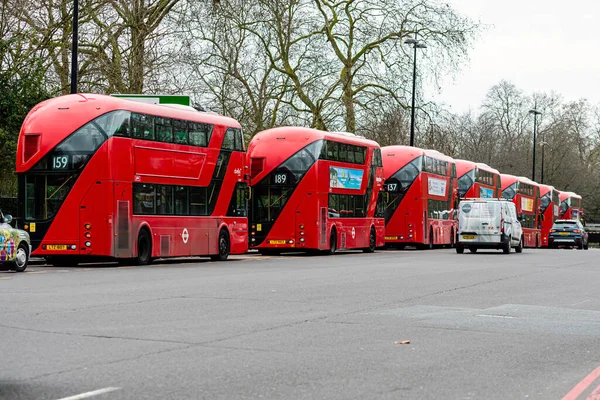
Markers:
{"x": 477, "y": 180}
{"x": 526, "y": 195}
{"x": 102, "y": 177}
{"x": 314, "y": 190}
{"x": 419, "y": 198}
{"x": 570, "y": 206}
{"x": 549, "y": 203}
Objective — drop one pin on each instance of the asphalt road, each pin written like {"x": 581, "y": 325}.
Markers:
{"x": 483, "y": 325}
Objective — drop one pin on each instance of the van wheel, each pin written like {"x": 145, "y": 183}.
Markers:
{"x": 372, "y": 241}
{"x": 519, "y": 248}
{"x": 460, "y": 249}
{"x": 144, "y": 248}
{"x": 332, "y": 243}
{"x": 506, "y": 248}
{"x": 473, "y": 249}
{"x": 223, "y": 245}
{"x": 22, "y": 259}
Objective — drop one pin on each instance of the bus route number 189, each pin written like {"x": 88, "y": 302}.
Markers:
{"x": 280, "y": 178}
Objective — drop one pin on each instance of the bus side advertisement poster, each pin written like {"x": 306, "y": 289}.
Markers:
{"x": 526, "y": 204}
{"x": 345, "y": 178}
{"x": 436, "y": 187}
{"x": 486, "y": 193}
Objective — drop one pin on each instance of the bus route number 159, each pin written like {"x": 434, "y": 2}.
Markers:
{"x": 280, "y": 178}
{"x": 60, "y": 162}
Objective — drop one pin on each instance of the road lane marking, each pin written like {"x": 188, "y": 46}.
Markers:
{"x": 36, "y": 272}
{"x": 91, "y": 394}
{"x": 595, "y": 394}
{"x": 580, "y": 302}
{"x": 5, "y": 278}
{"x": 583, "y": 385}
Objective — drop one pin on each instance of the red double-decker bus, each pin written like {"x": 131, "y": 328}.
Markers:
{"x": 477, "y": 180}
{"x": 420, "y": 197}
{"x": 526, "y": 195}
{"x": 570, "y": 206}
{"x": 314, "y": 190}
{"x": 549, "y": 210}
{"x": 102, "y": 177}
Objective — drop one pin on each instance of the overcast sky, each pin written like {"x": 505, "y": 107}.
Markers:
{"x": 539, "y": 45}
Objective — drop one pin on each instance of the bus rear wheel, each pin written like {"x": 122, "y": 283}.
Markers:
{"x": 144, "y": 248}
{"x": 372, "y": 241}
{"x": 223, "y": 247}
{"x": 332, "y": 243}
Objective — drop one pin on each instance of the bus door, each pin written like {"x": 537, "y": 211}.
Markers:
{"x": 120, "y": 220}
{"x": 306, "y": 231}
{"x": 95, "y": 219}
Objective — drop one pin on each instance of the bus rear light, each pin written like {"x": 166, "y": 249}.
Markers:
{"x": 88, "y": 226}
{"x": 88, "y": 244}
{"x": 88, "y": 235}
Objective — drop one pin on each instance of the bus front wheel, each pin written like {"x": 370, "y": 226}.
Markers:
{"x": 372, "y": 241}
{"x": 144, "y": 248}
{"x": 223, "y": 247}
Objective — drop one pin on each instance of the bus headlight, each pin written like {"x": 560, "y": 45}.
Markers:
{"x": 302, "y": 240}
{"x": 88, "y": 244}
{"x": 73, "y": 247}
{"x": 291, "y": 242}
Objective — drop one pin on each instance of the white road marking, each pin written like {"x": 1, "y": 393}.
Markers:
{"x": 494, "y": 316}
{"x": 580, "y": 302}
{"x": 91, "y": 394}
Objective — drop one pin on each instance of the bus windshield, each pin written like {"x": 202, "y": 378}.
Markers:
{"x": 51, "y": 179}
{"x": 465, "y": 182}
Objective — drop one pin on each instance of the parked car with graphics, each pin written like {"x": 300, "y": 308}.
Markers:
{"x": 568, "y": 232}
{"x": 15, "y": 245}
{"x": 488, "y": 223}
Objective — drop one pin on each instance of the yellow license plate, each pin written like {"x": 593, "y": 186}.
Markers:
{"x": 563, "y": 233}
{"x": 56, "y": 247}
{"x": 277, "y": 242}
{"x": 391, "y": 238}
{"x": 469, "y": 237}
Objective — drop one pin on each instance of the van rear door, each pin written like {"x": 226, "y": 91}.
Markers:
{"x": 480, "y": 218}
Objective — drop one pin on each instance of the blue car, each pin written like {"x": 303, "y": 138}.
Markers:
{"x": 568, "y": 232}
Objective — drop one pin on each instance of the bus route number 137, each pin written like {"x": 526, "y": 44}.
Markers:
{"x": 280, "y": 178}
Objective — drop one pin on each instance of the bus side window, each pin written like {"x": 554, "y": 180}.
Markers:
{"x": 229, "y": 140}
{"x": 142, "y": 126}
{"x": 239, "y": 140}
{"x": 180, "y": 134}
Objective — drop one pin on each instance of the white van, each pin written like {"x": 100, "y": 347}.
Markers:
{"x": 488, "y": 224}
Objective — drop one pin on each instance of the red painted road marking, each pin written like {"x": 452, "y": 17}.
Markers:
{"x": 583, "y": 385}
{"x": 595, "y": 394}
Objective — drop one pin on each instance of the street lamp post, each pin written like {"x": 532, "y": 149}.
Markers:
{"x": 74, "y": 47}
{"x": 535, "y": 114}
{"x": 416, "y": 45}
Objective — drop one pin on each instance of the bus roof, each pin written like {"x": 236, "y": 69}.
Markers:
{"x": 464, "y": 166}
{"x": 310, "y": 135}
{"x": 506, "y": 180}
{"x": 565, "y": 195}
{"x": 528, "y": 181}
{"x": 544, "y": 189}
{"x": 55, "y": 119}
